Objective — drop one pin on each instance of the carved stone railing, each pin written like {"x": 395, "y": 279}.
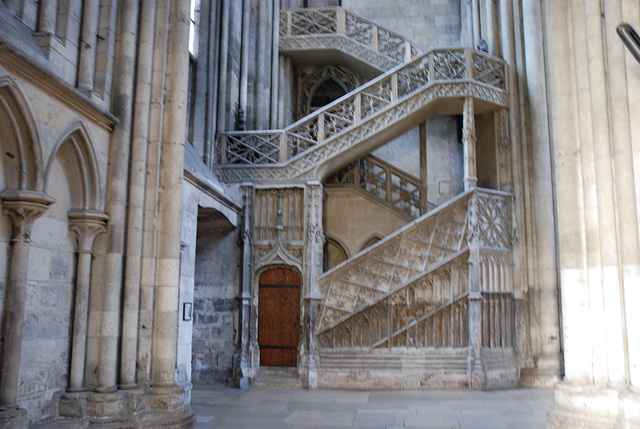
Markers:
{"x": 384, "y": 183}
{"x": 413, "y": 288}
{"x": 360, "y": 116}
{"x": 429, "y": 312}
{"x": 339, "y": 29}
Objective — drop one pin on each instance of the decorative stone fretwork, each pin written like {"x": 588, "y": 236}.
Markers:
{"x": 23, "y": 208}
{"x": 469, "y": 140}
{"x": 393, "y": 262}
{"x": 310, "y": 78}
{"x": 85, "y": 225}
{"x": 278, "y": 227}
{"x": 384, "y": 183}
{"x": 337, "y": 28}
{"x": 443, "y": 282}
{"x": 358, "y": 118}
{"x": 503, "y": 141}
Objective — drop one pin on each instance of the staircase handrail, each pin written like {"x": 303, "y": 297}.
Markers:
{"x": 446, "y": 229}
{"x": 412, "y": 200}
{"x": 327, "y": 123}
{"x": 339, "y": 21}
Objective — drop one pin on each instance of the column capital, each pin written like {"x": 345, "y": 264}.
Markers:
{"x": 86, "y": 225}
{"x": 24, "y": 207}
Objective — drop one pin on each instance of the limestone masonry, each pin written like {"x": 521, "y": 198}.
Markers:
{"x": 344, "y": 194}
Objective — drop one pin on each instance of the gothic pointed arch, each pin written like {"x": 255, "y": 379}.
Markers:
{"x": 333, "y": 80}
{"x": 20, "y": 160}
{"x": 75, "y": 151}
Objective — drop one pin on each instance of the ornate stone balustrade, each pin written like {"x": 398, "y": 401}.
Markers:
{"x": 385, "y": 183}
{"x": 413, "y": 288}
{"x": 337, "y": 28}
{"x": 358, "y": 117}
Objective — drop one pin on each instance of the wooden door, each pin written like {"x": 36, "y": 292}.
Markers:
{"x": 279, "y": 317}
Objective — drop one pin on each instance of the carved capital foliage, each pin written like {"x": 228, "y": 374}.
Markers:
{"x": 86, "y": 225}
{"x": 23, "y": 208}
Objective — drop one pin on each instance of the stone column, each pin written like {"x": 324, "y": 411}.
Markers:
{"x": 543, "y": 293}
{"x": 477, "y": 374}
{"x": 164, "y": 393}
{"x": 88, "y": 42}
{"x": 85, "y": 225}
{"x": 312, "y": 263}
{"x": 23, "y": 207}
{"x": 136, "y": 198}
{"x": 47, "y": 11}
{"x": 241, "y": 360}
{"x": 469, "y": 141}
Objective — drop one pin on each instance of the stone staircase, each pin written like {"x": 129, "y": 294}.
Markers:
{"x": 337, "y": 30}
{"x": 429, "y": 306}
{"x": 280, "y": 377}
{"x": 432, "y": 304}
{"x": 436, "y": 82}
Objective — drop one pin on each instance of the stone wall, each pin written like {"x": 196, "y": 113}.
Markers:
{"x": 215, "y": 306}
{"x": 444, "y": 159}
{"x": 428, "y": 23}
{"x": 353, "y": 219}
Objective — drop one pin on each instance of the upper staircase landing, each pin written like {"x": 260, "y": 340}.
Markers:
{"x": 336, "y": 30}
{"x": 436, "y": 82}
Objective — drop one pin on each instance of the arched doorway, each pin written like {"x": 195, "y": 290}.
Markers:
{"x": 279, "y": 317}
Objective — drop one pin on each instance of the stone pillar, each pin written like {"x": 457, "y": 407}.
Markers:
{"x": 312, "y": 263}
{"x": 477, "y": 373}
{"x": 593, "y": 86}
{"x": 135, "y": 208}
{"x": 85, "y": 225}
{"x": 23, "y": 207}
{"x": 164, "y": 393}
{"x": 241, "y": 360}
{"x": 543, "y": 288}
{"x": 88, "y": 48}
{"x": 47, "y": 11}
{"x": 469, "y": 141}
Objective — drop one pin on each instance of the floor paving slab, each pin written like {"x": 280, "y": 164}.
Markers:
{"x": 329, "y": 409}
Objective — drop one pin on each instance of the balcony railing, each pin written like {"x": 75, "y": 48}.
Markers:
{"x": 449, "y": 66}
{"x": 337, "y": 21}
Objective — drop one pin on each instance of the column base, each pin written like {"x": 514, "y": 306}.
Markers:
{"x": 165, "y": 398}
{"x": 240, "y": 378}
{"x": 161, "y": 407}
{"x": 537, "y": 378}
{"x": 13, "y": 418}
{"x": 544, "y": 373}
{"x": 593, "y": 407}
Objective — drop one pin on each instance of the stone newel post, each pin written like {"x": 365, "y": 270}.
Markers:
{"x": 241, "y": 359}
{"x": 469, "y": 141}
{"x": 23, "y": 208}
{"x": 314, "y": 239}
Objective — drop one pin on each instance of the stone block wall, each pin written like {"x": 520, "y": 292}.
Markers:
{"x": 215, "y": 306}
{"x": 428, "y": 23}
{"x": 44, "y": 364}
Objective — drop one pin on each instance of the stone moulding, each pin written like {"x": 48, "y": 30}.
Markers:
{"x": 363, "y": 119}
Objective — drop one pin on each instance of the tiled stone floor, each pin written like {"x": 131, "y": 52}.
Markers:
{"x": 221, "y": 407}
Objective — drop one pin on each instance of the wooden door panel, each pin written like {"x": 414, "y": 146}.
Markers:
{"x": 279, "y": 317}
